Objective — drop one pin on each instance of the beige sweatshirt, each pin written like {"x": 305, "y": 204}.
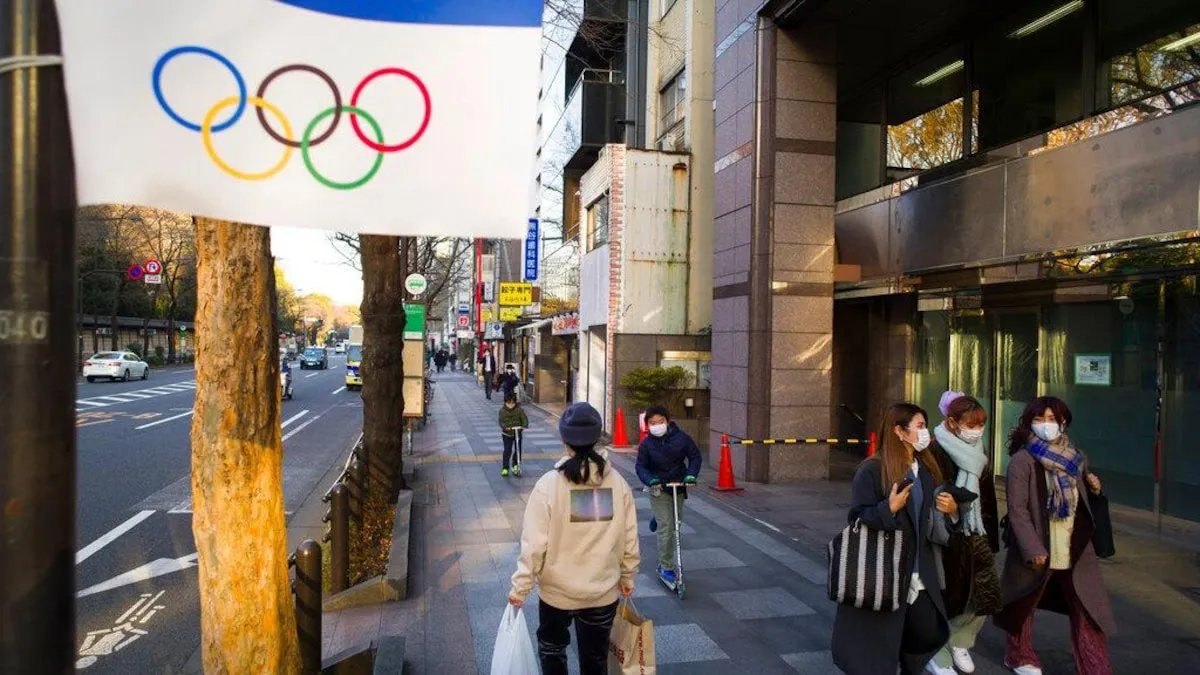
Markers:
{"x": 578, "y": 541}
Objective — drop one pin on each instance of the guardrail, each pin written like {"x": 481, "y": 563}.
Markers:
{"x": 306, "y": 586}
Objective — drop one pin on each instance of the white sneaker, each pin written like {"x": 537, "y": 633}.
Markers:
{"x": 1025, "y": 670}
{"x": 962, "y": 659}
{"x": 935, "y": 669}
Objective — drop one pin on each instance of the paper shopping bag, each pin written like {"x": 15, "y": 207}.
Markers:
{"x": 631, "y": 644}
{"x": 513, "y": 653}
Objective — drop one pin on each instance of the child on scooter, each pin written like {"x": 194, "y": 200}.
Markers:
{"x": 512, "y": 418}
{"x": 668, "y": 455}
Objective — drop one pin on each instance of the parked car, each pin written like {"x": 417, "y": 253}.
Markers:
{"x": 339, "y": 348}
{"x": 115, "y": 366}
{"x": 285, "y": 379}
{"x": 315, "y": 357}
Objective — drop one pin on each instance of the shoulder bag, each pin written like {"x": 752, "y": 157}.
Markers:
{"x": 866, "y": 567}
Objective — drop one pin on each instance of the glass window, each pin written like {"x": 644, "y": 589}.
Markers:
{"x": 672, "y": 102}
{"x": 860, "y": 144}
{"x": 1028, "y": 70}
{"x": 925, "y": 115}
{"x": 1147, "y": 48}
{"x": 931, "y": 370}
{"x": 597, "y": 223}
{"x": 1181, "y": 399}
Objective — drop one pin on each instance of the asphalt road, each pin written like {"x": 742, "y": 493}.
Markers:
{"x": 137, "y": 604}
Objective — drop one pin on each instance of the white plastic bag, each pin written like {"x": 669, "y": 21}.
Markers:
{"x": 513, "y": 654}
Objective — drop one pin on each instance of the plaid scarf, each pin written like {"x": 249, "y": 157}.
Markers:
{"x": 1063, "y": 461}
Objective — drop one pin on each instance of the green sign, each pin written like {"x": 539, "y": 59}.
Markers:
{"x": 414, "y": 323}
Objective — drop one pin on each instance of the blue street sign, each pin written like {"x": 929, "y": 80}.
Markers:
{"x": 531, "y": 251}
{"x": 464, "y": 308}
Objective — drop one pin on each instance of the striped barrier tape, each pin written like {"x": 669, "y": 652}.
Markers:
{"x": 804, "y": 441}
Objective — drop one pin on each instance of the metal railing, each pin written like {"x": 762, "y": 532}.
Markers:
{"x": 306, "y": 586}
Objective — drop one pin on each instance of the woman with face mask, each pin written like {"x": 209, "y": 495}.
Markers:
{"x": 972, "y": 587}
{"x": 1051, "y": 562}
{"x": 894, "y": 491}
{"x": 668, "y": 455}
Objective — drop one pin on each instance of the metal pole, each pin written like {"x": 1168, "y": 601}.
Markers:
{"x": 37, "y": 429}
{"x": 308, "y": 605}
{"x": 339, "y": 530}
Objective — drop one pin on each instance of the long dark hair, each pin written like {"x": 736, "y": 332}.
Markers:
{"x": 1038, "y": 406}
{"x": 578, "y": 467}
{"x": 892, "y": 454}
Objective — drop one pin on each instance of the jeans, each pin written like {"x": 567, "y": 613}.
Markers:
{"x": 487, "y": 384}
{"x": 592, "y": 628}
{"x": 664, "y": 513}
{"x": 510, "y": 444}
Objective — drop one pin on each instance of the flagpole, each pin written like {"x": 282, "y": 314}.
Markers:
{"x": 37, "y": 345}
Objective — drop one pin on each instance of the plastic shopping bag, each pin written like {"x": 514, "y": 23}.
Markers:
{"x": 631, "y": 644}
{"x": 513, "y": 654}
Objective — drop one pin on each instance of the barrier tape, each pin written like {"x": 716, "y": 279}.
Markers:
{"x": 804, "y": 441}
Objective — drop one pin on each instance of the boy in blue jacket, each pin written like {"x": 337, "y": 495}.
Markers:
{"x": 668, "y": 455}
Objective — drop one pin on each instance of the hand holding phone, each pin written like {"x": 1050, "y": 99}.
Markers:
{"x": 899, "y": 497}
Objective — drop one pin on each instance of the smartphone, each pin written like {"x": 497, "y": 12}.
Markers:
{"x": 908, "y": 480}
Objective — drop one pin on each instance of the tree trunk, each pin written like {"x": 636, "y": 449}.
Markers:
{"x": 247, "y": 615}
{"x": 171, "y": 336}
{"x": 116, "y": 305}
{"x": 383, "y": 353}
{"x": 145, "y": 338}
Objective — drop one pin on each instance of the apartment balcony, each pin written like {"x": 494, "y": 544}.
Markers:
{"x": 592, "y": 117}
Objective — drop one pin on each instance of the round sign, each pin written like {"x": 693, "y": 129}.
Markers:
{"x": 415, "y": 284}
{"x": 153, "y": 267}
{"x": 464, "y": 321}
{"x": 135, "y": 272}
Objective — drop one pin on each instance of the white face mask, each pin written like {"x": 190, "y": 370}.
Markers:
{"x": 1047, "y": 431}
{"x": 658, "y": 430}
{"x": 971, "y": 436}
{"x": 922, "y": 440}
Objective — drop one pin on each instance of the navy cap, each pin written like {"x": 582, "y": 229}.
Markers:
{"x": 580, "y": 425}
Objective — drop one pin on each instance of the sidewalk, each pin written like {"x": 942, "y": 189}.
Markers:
{"x": 754, "y": 562}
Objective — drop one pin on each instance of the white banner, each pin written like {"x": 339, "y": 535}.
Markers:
{"x": 415, "y": 117}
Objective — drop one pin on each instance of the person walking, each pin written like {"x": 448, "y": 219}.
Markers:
{"x": 668, "y": 455}
{"x": 579, "y": 544}
{"x": 867, "y": 642}
{"x": 509, "y": 381}
{"x": 972, "y": 586}
{"x": 453, "y": 360}
{"x": 1051, "y": 562}
{"x": 512, "y": 418}
{"x": 487, "y": 365}
{"x": 440, "y": 359}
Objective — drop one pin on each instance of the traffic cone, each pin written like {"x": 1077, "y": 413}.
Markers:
{"x": 725, "y": 481}
{"x": 620, "y": 438}
{"x": 871, "y": 446}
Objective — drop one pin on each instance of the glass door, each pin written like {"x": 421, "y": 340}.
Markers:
{"x": 1016, "y": 368}
{"x": 972, "y": 358}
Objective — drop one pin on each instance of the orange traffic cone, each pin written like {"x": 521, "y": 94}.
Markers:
{"x": 873, "y": 442}
{"x": 725, "y": 481}
{"x": 620, "y": 438}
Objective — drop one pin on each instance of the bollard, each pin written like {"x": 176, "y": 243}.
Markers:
{"x": 308, "y": 605}
{"x": 340, "y": 538}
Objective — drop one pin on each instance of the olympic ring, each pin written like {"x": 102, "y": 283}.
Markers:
{"x": 209, "y": 125}
{"x": 206, "y": 133}
{"x": 424, "y": 122}
{"x": 337, "y": 103}
{"x": 305, "y": 145}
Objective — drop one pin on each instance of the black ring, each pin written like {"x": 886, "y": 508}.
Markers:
{"x": 337, "y": 102}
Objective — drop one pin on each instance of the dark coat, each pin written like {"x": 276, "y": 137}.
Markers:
{"x": 669, "y": 459}
{"x": 1029, "y": 519}
{"x": 962, "y": 560}
{"x": 866, "y": 642}
{"x": 509, "y": 383}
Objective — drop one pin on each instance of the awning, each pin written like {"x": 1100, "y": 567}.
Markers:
{"x": 531, "y": 327}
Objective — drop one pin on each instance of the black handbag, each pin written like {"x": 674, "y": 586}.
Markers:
{"x": 1102, "y": 535}
{"x": 866, "y": 567}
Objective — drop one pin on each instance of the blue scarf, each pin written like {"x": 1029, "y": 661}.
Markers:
{"x": 1063, "y": 462}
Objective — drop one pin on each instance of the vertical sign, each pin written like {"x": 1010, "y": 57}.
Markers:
{"x": 489, "y": 277}
{"x": 531, "y": 251}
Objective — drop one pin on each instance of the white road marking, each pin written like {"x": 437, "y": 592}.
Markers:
{"x": 96, "y": 404}
{"x": 118, "y": 399}
{"x": 108, "y": 641}
{"x": 146, "y": 572}
{"x": 295, "y": 417}
{"x": 140, "y": 394}
{"x": 339, "y": 390}
{"x": 90, "y": 550}
{"x": 163, "y": 421}
{"x": 300, "y": 428}
{"x": 311, "y": 375}
{"x": 137, "y": 394}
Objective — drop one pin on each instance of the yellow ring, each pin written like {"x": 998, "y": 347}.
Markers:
{"x": 206, "y": 133}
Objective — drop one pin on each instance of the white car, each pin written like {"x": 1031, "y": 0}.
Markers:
{"x": 115, "y": 366}
{"x": 339, "y": 348}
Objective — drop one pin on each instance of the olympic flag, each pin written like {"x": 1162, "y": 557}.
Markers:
{"x": 413, "y": 117}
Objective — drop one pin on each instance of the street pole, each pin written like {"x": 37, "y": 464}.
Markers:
{"x": 37, "y": 278}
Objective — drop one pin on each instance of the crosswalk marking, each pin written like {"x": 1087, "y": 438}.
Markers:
{"x": 131, "y": 396}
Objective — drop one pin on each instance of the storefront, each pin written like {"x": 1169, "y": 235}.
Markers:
{"x": 1123, "y": 352}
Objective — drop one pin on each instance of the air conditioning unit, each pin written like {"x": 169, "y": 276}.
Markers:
{"x": 672, "y": 141}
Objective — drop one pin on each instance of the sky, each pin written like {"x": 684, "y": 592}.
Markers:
{"x": 312, "y": 265}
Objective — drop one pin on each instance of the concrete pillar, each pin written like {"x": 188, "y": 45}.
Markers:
{"x": 773, "y": 253}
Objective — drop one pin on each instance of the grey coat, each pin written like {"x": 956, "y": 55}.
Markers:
{"x": 1029, "y": 519}
{"x": 866, "y": 642}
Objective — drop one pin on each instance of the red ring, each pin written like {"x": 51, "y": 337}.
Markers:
{"x": 379, "y": 147}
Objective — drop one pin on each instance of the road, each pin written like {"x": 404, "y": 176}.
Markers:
{"x": 137, "y": 601}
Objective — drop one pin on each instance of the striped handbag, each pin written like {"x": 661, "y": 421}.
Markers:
{"x": 865, "y": 567}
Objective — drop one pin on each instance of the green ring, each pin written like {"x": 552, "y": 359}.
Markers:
{"x": 304, "y": 142}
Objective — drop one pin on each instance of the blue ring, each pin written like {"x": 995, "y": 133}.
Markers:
{"x": 156, "y": 81}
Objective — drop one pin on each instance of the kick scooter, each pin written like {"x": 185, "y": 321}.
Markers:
{"x": 678, "y": 586}
{"x": 516, "y": 465}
